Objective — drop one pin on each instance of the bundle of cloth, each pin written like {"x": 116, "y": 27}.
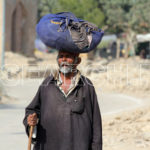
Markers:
{"x": 64, "y": 31}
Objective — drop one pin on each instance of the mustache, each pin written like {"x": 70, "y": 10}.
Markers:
{"x": 64, "y": 63}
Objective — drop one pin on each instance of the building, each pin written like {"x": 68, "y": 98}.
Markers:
{"x": 20, "y": 20}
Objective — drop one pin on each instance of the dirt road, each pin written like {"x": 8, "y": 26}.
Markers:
{"x": 12, "y": 134}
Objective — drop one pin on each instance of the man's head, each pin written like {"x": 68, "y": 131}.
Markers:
{"x": 68, "y": 61}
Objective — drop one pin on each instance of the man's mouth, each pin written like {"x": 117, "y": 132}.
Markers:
{"x": 64, "y": 65}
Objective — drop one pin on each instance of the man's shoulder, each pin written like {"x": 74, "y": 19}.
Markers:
{"x": 86, "y": 80}
{"x": 88, "y": 85}
{"x": 52, "y": 77}
{"x": 47, "y": 80}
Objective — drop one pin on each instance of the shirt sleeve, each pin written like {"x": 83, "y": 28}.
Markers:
{"x": 33, "y": 107}
{"x": 97, "y": 124}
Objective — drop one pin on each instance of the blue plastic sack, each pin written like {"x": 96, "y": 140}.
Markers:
{"x": 54, "y": 31}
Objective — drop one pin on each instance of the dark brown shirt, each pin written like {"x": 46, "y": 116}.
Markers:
{"x": 72, "y": 124}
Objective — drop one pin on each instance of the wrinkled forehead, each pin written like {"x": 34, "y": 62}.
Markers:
{"x": 68, "y": 53}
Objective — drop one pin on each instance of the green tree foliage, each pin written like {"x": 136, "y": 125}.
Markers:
{"x": 140, "y": 16}
{"x": 122, "y": 15}
{"x": 129, "y": 17}
{"x": 47, "y": 6}
{"x": 85, "y": 9}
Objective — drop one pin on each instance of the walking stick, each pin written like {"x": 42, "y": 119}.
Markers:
{"x": 30, "y": 137}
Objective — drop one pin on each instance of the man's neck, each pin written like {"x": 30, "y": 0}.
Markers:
{"x": 68, "y": 76}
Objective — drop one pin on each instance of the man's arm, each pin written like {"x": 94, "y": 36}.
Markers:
{"x": 97, "y": 124}
{"x": 32, "y": 111}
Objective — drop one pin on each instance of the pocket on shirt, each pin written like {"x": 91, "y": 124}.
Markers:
{"x": 78, "y": 106}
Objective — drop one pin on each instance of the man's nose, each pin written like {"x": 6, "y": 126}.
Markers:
{"x": 64, "y": 58}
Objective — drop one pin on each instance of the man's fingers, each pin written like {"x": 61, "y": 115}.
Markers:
{"x": 32, "y": 119}
{"x": 32, "y": 123}
{"x": 34, "y": 114}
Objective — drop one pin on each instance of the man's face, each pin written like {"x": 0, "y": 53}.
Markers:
{"x": 67, "y": 61}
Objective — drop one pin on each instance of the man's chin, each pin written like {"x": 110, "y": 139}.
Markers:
{"x": 65, "y": 70}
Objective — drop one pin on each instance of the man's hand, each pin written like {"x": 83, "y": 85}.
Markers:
{"x": 32, "y": 119}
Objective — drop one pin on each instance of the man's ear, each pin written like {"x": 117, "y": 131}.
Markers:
{"x": 79, "y": 60}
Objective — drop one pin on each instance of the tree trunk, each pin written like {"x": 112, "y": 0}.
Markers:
{"x": 131, "y": 41}
{"x": 118, "y": 48}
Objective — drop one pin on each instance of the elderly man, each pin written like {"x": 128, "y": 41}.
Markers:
{"x": 65, "y": 110}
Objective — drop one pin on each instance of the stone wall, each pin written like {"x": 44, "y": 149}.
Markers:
{"x": 1, "y": 23}
{"x": 21, "y": 17}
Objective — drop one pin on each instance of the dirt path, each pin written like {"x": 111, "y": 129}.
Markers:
{"x": 11, "y": 128}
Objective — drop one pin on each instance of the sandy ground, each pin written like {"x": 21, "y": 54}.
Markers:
{"x": 125, "y": 130}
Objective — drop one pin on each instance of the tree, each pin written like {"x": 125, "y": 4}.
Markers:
{"x": 85, "y": 9}
{"x": 47, "y": 6}
{"x": 128, "y": 16}
{"x": 140, "y": 16}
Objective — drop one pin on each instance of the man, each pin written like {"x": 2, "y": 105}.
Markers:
{"x": 65, "y": 110}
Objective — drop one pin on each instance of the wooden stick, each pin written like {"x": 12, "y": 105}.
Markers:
{"x": 30, "y": 137}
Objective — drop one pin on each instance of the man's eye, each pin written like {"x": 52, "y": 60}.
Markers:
{"x": 60, "y": 56}
{"x": 68, "y": 56}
